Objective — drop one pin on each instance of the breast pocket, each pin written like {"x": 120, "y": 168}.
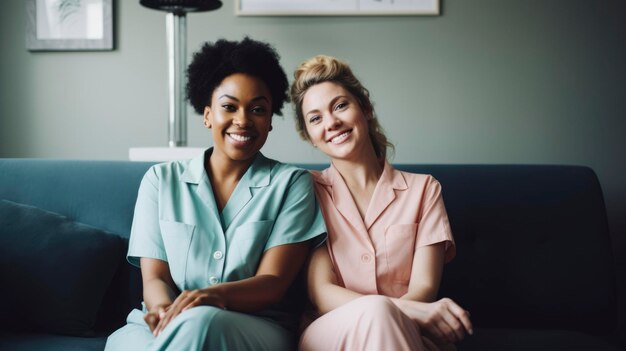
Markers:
{"x": 177, "y": 240}
{"x": 248, "y": 244}
{"x": 400, "y": 245}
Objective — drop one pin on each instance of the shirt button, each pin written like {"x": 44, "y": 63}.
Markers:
{"x": 213, "y": 280}
{"x": 366, "y": 258}
{"x": 218, "y": 255}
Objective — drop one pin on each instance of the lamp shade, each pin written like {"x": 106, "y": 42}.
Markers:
{"x": 182, "y": 5}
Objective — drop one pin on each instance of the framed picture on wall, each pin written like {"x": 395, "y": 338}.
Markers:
{"x": 64, "y": 25}
{"x": 336, "y": 7}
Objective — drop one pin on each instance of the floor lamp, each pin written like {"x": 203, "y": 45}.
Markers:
{"x": 176, "y": 28}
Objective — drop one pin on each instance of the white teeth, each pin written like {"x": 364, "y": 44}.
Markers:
{"x": 240, "y": 137}
{"x": 341, "y": 137}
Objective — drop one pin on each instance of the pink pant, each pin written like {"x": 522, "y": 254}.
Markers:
{"x": 368, "y": 323}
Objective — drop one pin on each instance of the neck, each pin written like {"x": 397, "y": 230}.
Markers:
{"x": 221, "y": 168}
{"x": 362, "y": 173}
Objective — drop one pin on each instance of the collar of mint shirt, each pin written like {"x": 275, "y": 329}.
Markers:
{"x": 384, "y": 194}
{"x": 258, "y": 175}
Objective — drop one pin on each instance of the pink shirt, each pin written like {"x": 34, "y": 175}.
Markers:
{"x": 374, "y": 255}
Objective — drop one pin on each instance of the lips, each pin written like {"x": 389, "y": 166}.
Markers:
{"x": 240, "y": 137}
{"x": 340, "y": 137}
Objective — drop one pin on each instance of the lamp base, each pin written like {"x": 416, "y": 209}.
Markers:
{"x": 163, "y": 154}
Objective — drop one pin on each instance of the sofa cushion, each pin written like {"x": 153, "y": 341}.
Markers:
{"x": 60, "y": 270}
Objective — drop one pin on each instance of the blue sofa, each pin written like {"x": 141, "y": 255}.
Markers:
{"x": 533, "y": 267}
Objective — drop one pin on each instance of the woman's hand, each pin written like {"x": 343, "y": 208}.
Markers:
{"x": 442, "y": 319}
{"x": 186, "y": 300}
{"x": 154, "y": 316}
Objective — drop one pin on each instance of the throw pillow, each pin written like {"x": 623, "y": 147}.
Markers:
{"x": 54, "y": 272}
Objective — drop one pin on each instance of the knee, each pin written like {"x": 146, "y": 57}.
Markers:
{"x": 374, "y": 307}
{"x": 215, "y": 321}
{"x": 377, "y": 304}
{"x": 378, "y": 300}
{"x": 200, "y": 316}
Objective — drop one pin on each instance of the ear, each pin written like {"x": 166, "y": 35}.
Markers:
{"x": 208, "y": 116}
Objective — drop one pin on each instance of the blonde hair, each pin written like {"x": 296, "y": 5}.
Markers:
{"x": 320, "y": 69}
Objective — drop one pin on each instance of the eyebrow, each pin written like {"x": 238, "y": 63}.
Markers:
{"x": 234, "y": 98}
{"x": 312, "y": 111}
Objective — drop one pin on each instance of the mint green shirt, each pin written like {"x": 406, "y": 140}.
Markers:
{"x": 177, "y": 220}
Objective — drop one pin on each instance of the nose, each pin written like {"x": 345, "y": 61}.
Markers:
{"x": 332, "y": 122}
{"x": 242, "y": 120}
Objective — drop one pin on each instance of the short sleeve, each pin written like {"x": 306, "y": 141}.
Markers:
{"x": 434, "y": 226}
{"x": 300, "y": 218}
{"x": 145, "y": 233}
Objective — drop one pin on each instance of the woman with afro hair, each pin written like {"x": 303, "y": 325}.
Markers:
{"x": 221, "y": 237}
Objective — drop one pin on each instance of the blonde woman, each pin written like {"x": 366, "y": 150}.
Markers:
{"x": 375, "y": 283}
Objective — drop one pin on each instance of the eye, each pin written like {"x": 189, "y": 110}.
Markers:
{"x": 259, "y": 110}
{"x": 229, "y": 107}
{"x": 314, "y": 119}
{"x": 341, "y": 105}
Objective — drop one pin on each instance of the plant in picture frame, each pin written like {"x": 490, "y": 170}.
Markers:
{"x": 67, "y": 8}
{"x": 62, "y": 25}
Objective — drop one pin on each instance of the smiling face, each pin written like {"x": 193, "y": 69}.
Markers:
{"x": 240, "y": 118}
{"x": 335, "y": 122}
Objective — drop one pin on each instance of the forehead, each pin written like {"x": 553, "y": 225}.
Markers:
{"x": 321, "y": 93}
{"x": 242, "y": 86}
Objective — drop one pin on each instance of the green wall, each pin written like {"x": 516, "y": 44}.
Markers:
{"x": 488, "y": 81}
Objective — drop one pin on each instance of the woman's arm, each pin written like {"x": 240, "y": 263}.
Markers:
{"x": 158, "y": 289}
{"x": 277, "y": 270}
{"x": 323, "y": 289}
{"x": 426, "y": 273}
{"x": 443, "y": 319}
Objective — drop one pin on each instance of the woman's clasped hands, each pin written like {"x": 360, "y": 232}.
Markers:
{"x": 161, "y": 315}
{"x": 444, "y": 319}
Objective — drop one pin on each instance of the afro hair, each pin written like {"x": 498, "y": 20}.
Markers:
{"x": 216, "y": 61}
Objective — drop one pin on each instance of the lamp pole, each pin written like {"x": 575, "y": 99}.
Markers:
{"x": 176, "y": 30}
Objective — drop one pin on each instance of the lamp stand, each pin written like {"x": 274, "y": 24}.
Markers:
{"x": 176, "y": 31}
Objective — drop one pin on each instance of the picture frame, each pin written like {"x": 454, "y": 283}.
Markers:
{"x": 337, "y": 7}
{"x": 69, "y": 25}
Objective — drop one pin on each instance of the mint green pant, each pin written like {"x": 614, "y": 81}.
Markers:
{"x": 202, "y": 328}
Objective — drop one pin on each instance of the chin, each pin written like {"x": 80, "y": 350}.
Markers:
{"x": 241, "y": 155}
{"x": 340, "y": 156}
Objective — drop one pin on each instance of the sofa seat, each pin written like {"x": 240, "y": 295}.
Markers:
{"x": 50, "y": 342}
{"x": 532, "y": 339}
